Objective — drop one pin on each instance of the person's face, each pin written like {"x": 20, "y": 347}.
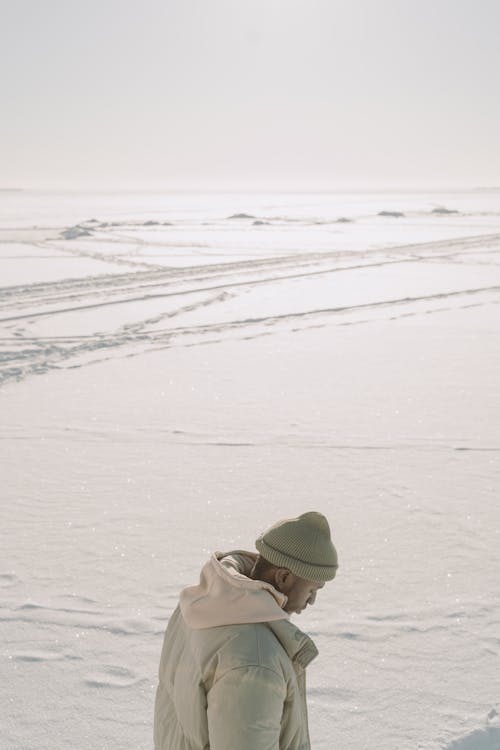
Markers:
{"x": 299, "y": 591}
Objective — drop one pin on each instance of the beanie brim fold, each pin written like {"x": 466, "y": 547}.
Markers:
{"x": 309, "y": 571}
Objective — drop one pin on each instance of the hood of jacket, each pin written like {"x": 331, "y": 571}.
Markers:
{"x": 226, "y": 595}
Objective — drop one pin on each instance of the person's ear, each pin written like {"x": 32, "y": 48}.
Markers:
{"x": 281, "y": 579}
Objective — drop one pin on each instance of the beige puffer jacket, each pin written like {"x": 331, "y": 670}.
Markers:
{"x": 232, "y": 669}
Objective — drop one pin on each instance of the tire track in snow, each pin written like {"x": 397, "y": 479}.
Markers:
{"x": 26, "y": 354}
{"x": 45, "y": 358}
{"x": 159, "y": 275}
{"x": 47, "y": 355}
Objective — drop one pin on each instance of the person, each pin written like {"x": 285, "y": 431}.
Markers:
{"x": 232, "y": 667}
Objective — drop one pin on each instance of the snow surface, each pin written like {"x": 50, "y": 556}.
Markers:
{"x": 172, "y": 388}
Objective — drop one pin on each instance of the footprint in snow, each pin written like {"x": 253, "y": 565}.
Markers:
{"x": 37, "y": 656}
{"x": 8, "y": 579}
{"x": 113, "y": 677}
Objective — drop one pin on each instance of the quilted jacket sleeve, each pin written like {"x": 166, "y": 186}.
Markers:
{"x": 245, "y": 707}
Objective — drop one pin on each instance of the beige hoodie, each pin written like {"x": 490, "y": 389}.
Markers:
{"x": 226, "y": 595}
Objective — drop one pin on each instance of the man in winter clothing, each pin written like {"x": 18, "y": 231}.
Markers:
{"x": 232, "y": 669}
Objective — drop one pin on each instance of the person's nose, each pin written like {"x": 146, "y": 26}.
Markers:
{"x": 312, "y": 598}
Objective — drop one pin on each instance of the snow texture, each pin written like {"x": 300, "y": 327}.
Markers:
{"x": 178, "y": 372}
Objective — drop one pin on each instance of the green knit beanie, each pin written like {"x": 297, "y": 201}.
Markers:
{"x": 302, "y": 545}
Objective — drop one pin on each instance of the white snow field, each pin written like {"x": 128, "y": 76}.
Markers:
{"x": 174, "y": 380}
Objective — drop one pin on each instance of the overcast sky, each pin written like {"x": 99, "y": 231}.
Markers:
{"x": 250, "y": 93}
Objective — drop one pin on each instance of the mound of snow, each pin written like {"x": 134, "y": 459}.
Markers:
{"x": 394, "y": 214}
{"x": 443, "y": 210}
{"x": 73, "y": 232}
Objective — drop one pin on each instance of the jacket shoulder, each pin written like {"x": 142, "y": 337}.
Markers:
{"x": 237, "y": 646}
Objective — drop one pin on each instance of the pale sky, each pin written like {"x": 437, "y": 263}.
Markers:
{"x": 250, "y": 93}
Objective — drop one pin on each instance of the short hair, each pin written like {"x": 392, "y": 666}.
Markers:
{"x": 262, "y": 567}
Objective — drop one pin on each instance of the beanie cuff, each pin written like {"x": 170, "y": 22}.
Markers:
{"x": 307, "y": 570}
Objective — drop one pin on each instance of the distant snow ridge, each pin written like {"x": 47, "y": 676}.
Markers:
{"x": 305, "y": 221}
{"x": 87, "y": 227}
{"x": 283, "y": 219}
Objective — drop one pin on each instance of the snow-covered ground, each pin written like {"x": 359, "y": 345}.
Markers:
{"x": 180, "y": 371}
